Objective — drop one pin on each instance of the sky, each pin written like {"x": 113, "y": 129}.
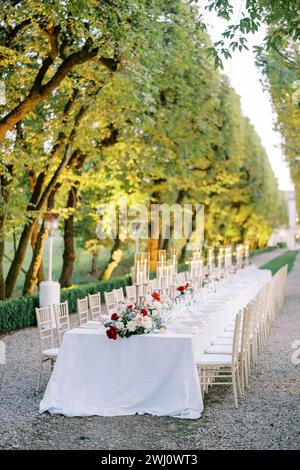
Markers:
{"x": 244, "y": 76}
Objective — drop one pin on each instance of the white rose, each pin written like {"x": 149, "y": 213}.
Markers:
{"x": 131, "y": 325}
{"x": 154, "y": 313}
{"x": 119, "y": 325}
{"x": 147, "y": 323}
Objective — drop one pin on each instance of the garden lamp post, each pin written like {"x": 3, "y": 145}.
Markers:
{"x": 51, "y": 224}
{"x": 50, "y": 290}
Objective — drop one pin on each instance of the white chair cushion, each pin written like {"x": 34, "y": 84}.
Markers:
{"x": 52, "y": 352}
{"x": 219, "y": 349}
{"x": 215, "y": 360}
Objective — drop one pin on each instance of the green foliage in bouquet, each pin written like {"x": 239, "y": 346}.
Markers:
{"x": 134, "y": 321}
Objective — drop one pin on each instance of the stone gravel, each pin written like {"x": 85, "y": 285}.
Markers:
{"x": 268, "y": 417}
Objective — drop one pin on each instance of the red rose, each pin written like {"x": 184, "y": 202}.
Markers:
{"x": 112, "y": 333}
{"x": 114, "y": 316}
{"x": 187, "y": 285}
{"x": 144, "y": 312}
{"x": 181, "y": 288}
{"x": 130, "y": 307}
{"x": 155, "y": 296}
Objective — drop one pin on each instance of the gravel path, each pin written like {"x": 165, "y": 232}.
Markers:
{"x": 268, "y": 418}
{"x": 260, "y": 260}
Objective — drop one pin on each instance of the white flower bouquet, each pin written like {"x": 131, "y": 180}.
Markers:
{"x": 134, "y": 321}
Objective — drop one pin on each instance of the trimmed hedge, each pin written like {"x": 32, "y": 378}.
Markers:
{"x": 71, "y": 294}
{"x": 19, "y": 312}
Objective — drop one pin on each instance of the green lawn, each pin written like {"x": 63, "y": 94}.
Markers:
{"x": 260, "y": 251}
{"x": 287, "y": 258}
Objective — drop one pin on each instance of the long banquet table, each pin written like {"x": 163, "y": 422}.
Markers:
{"x": 154, "y": 373}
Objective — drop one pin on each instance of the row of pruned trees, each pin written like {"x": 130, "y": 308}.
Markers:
{"x": 119, "y": 100}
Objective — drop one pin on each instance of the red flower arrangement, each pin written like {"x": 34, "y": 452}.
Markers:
{"x": 155, "y": 296}
{"x": 185, "y": 288}
{"x": 181, "y": 288}
{"x": 133, "y": 321}
{"x": 112, "y": 332}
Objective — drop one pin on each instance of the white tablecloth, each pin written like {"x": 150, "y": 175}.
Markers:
{"x": 153, "y": 373}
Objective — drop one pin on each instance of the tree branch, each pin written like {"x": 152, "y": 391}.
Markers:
{"x": 39, "y": 92}
{"x": 52, "y": 35}
{"x": 290, "y": 63}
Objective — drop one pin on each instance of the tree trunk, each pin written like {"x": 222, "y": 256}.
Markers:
{"x": 152, "y": 248}
{"x": 2, "y": 280}
{"x": 94, "y": 269}
{"x": 166, "y": 242}
{"x": 153, "y": 242}
{"x": 34, "y": 237}
{"x": 15, "y": 240}
{"x": 17, "y": 263}
{"x": 4, "y": 195}
{"x": 69, "y": 252}
{"x": 184, "y": 250}
{"x": 31, "y": 278}
{"x": 37, "y": 202}
{"x": 114, "y": 260}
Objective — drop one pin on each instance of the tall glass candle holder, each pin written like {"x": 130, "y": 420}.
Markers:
{"x": 161, "y": 274}
{"x": 221, "y": 253}
{"x": 169, "y": 273}
{"x": 210, "y": 260}
{"x": 141, "y": 268}
{"x": 196, "y": 268}
{"x": 228, "y": 257}
{"x": 246, "y": 253}
{"x": 162, "y": 255}
{"x": 173, "y": 259}
{"x": 239, "y": 256}
{"x": 219, "y": 263}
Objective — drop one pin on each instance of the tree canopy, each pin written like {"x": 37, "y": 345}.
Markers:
{"x": 279, "y": 17}
{"x": 282, "y": 78}
{"x": 120, "y": 99}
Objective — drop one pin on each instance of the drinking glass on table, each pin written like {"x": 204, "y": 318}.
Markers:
{"x": 167, "y": 315}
